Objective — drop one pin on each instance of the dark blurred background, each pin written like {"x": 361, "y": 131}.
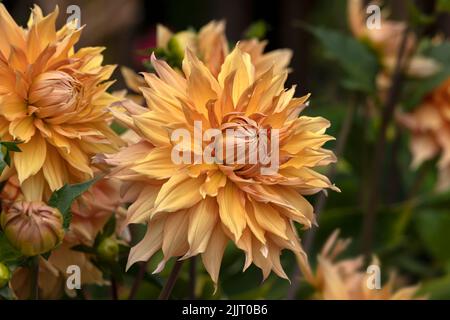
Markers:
{"x": 125, "y": 26}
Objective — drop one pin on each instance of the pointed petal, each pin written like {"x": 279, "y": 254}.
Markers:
{"x": 202, "y": 219}
{"x": 212, "y": 257}
{"x": 232, "y": 209}
{"x": 31, "y": 159}
{"x": 151, "y": 243}
{"x": 179, "y": 192}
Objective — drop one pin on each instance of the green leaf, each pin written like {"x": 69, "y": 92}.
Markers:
{"x": 417, "y": 17}
{"x": 359, "y": 63}
{"x": 7, "y": 252}
{"x": 6, "y": 293}
{"x": 3, "y": 163}
{"x": 416, "y": 89}
{"x": 5, "y": 157}
{"x": 11, "y": 146}
{"x": 440, "y": 52}
{"x": 443, "y": 6}
{"x": 107, "y": 231}
{"x": 83, "y": 248}
{"x": 63, "y": 198}
{"x": 433, "y": 226}
{"x": 436, "y": 289}
{"x": 110, "y": 227}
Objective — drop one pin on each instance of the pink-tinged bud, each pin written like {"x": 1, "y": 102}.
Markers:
{"x": 32, "y": 227}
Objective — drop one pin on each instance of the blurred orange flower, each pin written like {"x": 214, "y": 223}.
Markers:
{"x": 430, "y": 131}
{"x": 386, "y": 41}
{"x": 211, "y": 46}
{"x": 346, "y": 279}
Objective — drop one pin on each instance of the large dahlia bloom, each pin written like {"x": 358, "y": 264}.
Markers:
{"x": 346, "y": 279}
{"x": 197, "y": 208}
{"x": 429, "y": 124}
{"x": 53, "y": 99}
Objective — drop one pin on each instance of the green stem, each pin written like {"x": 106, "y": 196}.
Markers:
{"x": 192, "y": 277}
{"x": 34, "y": 268}
{"x": 369, "y": 222}
{"x": 138, "y": 280}
{"x": 170, "y": 284}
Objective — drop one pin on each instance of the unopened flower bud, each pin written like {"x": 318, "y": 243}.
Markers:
{"x": 108, "y": 250}
{"x": 5, "y": 275}
{"x": 32, "y": 227}
{"x": 180, "y": 41}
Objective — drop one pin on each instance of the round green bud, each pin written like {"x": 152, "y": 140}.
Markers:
{"x": 5, "y": 275}
{"x": 108, "y": 250}
{"x": 178, "y": 43}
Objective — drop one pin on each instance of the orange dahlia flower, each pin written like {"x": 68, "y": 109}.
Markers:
{"x": 197, "y": 208}
{"x": 386, "y": 41}
{"x": 430, "y": 127}
{"x": 53, "y": 99}
{"x": 211, "y": 46}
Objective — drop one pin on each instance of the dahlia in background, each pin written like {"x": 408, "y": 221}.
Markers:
{"x": 53, "y": 99}
{"x": 210, "y": 45}
{"x": 430, "y": 133}
{"x": 193, "y": 209}
{"x": 346, "y": 279}
{"x": 386, "y": 41}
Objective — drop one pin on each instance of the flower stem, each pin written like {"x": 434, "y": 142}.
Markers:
{"x": 114, "y": 289}
{"x": 192, "y": 277}
{"x": 387, "y": 115}
{"x": 138, "y": 280}
{"x": 170, "y": 284}
{"x": 34, "y": 268}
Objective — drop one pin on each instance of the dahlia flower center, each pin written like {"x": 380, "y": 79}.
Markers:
{"x": 52, "y": 93}
{"x": 247, "y": 146}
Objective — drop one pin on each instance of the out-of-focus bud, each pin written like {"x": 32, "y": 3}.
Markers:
{"x": 11, "y": 192}
{"x": 180, "y": 41}
{"x": 108, "y": 250}
{"x": 32, "y": 227}
{"x": 5, "y": 275}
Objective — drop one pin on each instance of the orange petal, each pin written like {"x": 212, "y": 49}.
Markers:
{"x": 31, "y": 159}
{"x": 231, "y": 209}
